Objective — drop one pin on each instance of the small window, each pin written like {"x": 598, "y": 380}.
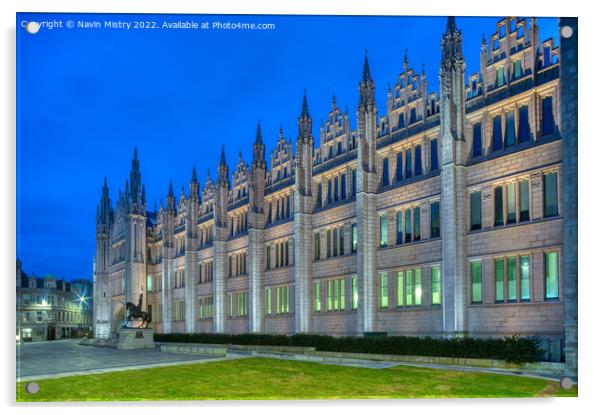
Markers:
{"x": 499, "y": 280}
{"x": 408, "y": 227}
{"x": 399, "y": 288}
{"x": 384, "y": 235}
{"x": 317, "y": 246}
{"x": 417, "y": 223}
{"x": 435, "y": 220}
{"x": 550, "y": 189}
{"x": 384, "y": 290}
{"x": 399, "y": 225}
{"x": 523, "y": 189}
{"x": 475, "y": 211}
{"x": 354, "y": 293}
{"x": 317, "y": 297}
{"x": 518, "y": 69}
{"x": 402, "y": 122}
{"x": 510, "y": 129}
{"x": 497, "y": 133}
{"x": 524, "y": 131}
{"x": 525, "y": 271}
{"x": 408, "y": 164}
{"x": 476, "y": 281}
{"x": 418, "y": 160}
{"x": 511, "y": 202}
{"x": 385, "y": 177}
{"x": 477, "y": 142}
{"x": 499, "y": 205}
{"x": 551, "y": 264}
{"x": 436, "y": 285}
{"x": 409, "y": 287}
{"x": 547, "y": 117}
{"x": 434, "y": 155}
{"x": 399, "y": 167}
{"x": 354, "y": 237}
{"x": 512, "y": 279}
{"x": 499, "y": 77}
{"x": 413, "y": 112}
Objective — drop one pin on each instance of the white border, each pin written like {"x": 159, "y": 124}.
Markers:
{"x": 589, "y": 158}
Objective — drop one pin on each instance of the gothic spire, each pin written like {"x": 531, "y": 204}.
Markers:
{"x": 170, "y": 191}
{"x": 366, "y": 74}
{"x": 304, "y": 107}
{"x": 305, "y": 119}
{"x": 451, "y": 24}
{"x": 406, "y": 64}
{"x": 222, "y": 161}
{"x": 194, "y": 179}
{"x": 258, "y": 136}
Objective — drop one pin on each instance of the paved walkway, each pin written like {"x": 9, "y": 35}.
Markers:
{"x": 67, "y": 358}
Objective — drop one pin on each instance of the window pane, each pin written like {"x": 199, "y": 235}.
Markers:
{"x": 343, "y": 187}
{"x": 384, "y": 237}
{"x": 547, "y": 120}
{"x": 384, "y": 290}
{"x": 524, "y": 133}
{"x": 341, "y": 240}
{"x": 335, "y": 242}
{"x": 329, "y": 295}
{"x": 354, "y": 295}
{"x": 418, "y": 286}
{"x": 409, "y": 287}
{"x": 499, "y": 80}
{"x": 511, "y": 203}
{"x": 399, "y": 288}
{"x": 436, "y": 285}
{"x": 551, "y": 275}
{"x": 408, "y": 164}
{"x": 354, "y": 237}
{"x": 417, "y": 223}
{"x": 524, "y": 200}
{"x": 475, "y": 211}
{"x": 477, "y": 142}
{"x": 550, "y": 188}
{"x": 386, "y": 171}
{"x": 512, "y": 279}
{"x": 399, "y": 224}
{"x": 408, "y": 225}
{"x": 476, "y": 281}
{"x": 399, "y": 167}
{"x": 499, "y": 280}
{"x": 435, "y": 228}
{"x": 335, "y": 294}
{"x": 434, "y": 155}
{"x": 418, "y": 160}
{"x": 499, "y": 205}
{"x": 525, "y": 287}
{"x": 342, "y": 295}
{"x": 328, "y": 243}
{"x": 497, "y": 133}
{"x": 317, "y": 245}
{"x": 318, "y": 301}
{"x": 510, "y": 129}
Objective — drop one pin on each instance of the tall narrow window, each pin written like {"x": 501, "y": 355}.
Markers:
{"x": 525, "y": 287}
{"x": 499, "y": 78}
{"x": 497, "y": 133}
{"x": 518, "y": 69}
{"x": 399, "y": 288}
{"x": 512, "y": 293}
{"x": 436, "y": 285}
{"x": 329, "y": 191}
{"x": 402, "y": 121}
{"x": 434, "y": 155}
{"x": 499, "y": 280}
{"x": 476, "y": 281}
{"x": 335, "y": 242}
{"x": 354, "y": 182}
{"x": 408, "y": 226}
{"x": 319, "y": 195}
{"x": 524, "y": 131}
{"x": 399, "y": 167}
{"x": 477, "y": 142}
{"x": 418, "y": 160}
{"x": 342, "y": 304}
{"x": 384, "y": 290}
{"x": 547, "y": 116}
{"x": 409, "y": 287}
{"x": 329, "y": 286}
{"x": 510, "y": 129}
{"x": 408, "y": 164}
{"x": 354, "y": 237}
{"x": 341, "y": 240}
{"x": 335, "y": 294}
{"x": 418, "y": 286}
{"x": 386, "y": 171}
{"x": 230, "y": 305}
{"x": 511, "y": 202}
{"x": 343, "y": 186}
{"x": 317, "y": 246}
{"x": 551, "y": 275}
{"x": 317, "y": 297}
{"x": 417, "y": 223}
{"x": 354, "y": 293}
{"x": 523, "y": 190}
{"x": 475, "y": 211}
{"x": 399, "y": 225}
{"x": 328, "y": 243}
{"x": 268, "y": 255}
{"x": 550, "y": 190}
{"x": 499, "y": 205}
{"x": 336, "y": 189}
{"x": 435, "y": 227}
{"x": 268, "y": 300}
{"x": 384, "y": 234}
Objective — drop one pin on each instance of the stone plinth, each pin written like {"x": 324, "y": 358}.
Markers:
{"x": 131, "y": 338}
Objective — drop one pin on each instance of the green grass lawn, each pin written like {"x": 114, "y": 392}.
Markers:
{"x": 258, "y": 378}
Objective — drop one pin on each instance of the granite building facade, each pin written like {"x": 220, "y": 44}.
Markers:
{"x": 442, "y": 215}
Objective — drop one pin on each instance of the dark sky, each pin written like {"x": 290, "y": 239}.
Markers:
{"x": 85, "y": 98}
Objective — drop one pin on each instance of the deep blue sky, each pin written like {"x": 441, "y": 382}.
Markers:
{"x": 85, "y": 98}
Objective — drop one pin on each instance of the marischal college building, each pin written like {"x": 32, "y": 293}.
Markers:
{"x": 442, "y": 217}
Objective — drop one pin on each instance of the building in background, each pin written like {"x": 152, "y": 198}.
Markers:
{"x": 50, "y": 308}
{"x": 441, "y": 215}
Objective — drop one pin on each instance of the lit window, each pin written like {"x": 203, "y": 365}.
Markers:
{"x": 475, "y": 211}
{"x": 511, "y": 202}
{"x": 476, "y": 281}
{"x": 499, "y": 280}
{"x": 436, "y": 285}
{"x": 354, "y": 293}
{"x": 510, "y": 129}
{"x": 512, "y": 294}
{"x": 552, "y": 284}
{"x": 550, "y": 189}
{"x": 384, "y": 290}
{"x": 354, "y": 237}
{"x": 525, "y": 288}
{"x": 384, "y": 235}
{"x": 435, "y": 226}
{"x": 318, "y": 298}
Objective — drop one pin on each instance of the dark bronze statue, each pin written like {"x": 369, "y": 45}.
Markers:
{"x": 134, "y": 311}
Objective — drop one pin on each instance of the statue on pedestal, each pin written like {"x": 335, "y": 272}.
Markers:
{"x": 135, "y": 312}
